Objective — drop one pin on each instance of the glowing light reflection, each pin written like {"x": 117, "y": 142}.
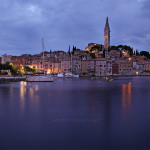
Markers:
{"x": 23, "y": 91}
{"x": 126, "y": 96}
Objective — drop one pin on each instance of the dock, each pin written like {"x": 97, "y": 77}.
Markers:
{"x": 12, "y": 78}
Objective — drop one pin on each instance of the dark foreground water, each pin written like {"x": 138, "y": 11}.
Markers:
{"x": 76, "y": 114}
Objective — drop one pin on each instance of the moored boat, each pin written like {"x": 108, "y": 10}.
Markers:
{"x": 41, "y": 78}
{"x": 71, "y": 75}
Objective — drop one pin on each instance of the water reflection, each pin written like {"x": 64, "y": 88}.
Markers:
{"x": 11, "y": 90}
{"x": 126, "y": 96}
{"x": 30, "y": 90}
{"x": 33, "y": 95}
{"x": 23, "y": 91}
{"x": 36, "y": 88}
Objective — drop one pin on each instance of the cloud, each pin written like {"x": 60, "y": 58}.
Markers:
{"x": 74, "y": 22}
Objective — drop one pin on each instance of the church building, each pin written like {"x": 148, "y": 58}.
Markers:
{"x": 106, "y": 45}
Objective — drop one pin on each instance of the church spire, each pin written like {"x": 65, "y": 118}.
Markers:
{"x": 107, "y": 35}
{"x": 107, "y": 24}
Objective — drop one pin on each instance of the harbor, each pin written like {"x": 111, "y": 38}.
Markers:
{"x": 75, "y": 113}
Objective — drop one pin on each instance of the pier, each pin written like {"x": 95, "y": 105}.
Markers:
{"x": 12, "y": 78}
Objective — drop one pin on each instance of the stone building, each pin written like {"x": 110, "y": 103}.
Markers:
{"x": 114, "y": 54}
{"x": 6, "y": 58}
{"x": 125, "y": 67}
{"x": 66, "y": 66}
{"x": 76, "y": 66}
{"x": 84, "y": 66}
{"x": 103, "y": 67}
{"x": 115, "y": 69}
{"x": 147, "y": 67}
{"x": 56, "y": 67}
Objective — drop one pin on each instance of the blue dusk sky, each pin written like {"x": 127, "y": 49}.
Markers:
{"x": 61, "y": 23}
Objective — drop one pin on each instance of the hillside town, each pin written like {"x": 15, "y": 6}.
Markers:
{"x": 96, "y": 60}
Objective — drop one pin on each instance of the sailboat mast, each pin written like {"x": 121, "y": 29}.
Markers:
{"x": 43, "y": 55}
{"x": 71, "y": 63}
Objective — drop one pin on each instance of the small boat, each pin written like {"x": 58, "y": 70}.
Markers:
{"x": 70, "y": 75}
{"x": 75, "y": 76}
{"x": 40, "y": 79}
{"x": 60, "y": 75}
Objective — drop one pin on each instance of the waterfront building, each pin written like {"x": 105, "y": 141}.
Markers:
{"x": 88, "y": 67}
{"x": 125, "y": 66}
{"x": 6, "y": 58}
{"x": 103, "y": 67}
{"x": 92, "y": 66}
{"x": 84, "y": 67}
{"x": 56, "y": 67}
{"x": 76, "y": 66}
{"x": 139, "y": 67}
{"x": 37, "y": 63}
{"x": 115, "y": 68}
{"x": 66, "y": 66}
{"x": 17, "y": 61}
{"x": 147, "y": 67}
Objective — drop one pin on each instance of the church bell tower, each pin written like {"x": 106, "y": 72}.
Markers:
{"x": 106, "y": 35}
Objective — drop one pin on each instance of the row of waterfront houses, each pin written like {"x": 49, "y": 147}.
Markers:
{"x": 83, "y": 64}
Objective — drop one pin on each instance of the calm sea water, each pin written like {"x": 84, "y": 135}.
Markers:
{"x": 76, "y": 114}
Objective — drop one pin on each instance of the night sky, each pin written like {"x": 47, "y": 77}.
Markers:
{"x": 23, "y": 23}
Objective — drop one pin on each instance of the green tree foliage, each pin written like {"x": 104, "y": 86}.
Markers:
{"x": 137, "y": 53}
{"x": 73, "y": 49}
{"x": 15, "y": 70}
{"x": 92, "y": 55}
{"x": 28, "y": 69}
{"x": 120, "y": 54}
{"x": 122, "y": 47}
{"x": 145, "y": 53}
{"x": 96, "y": 48}
{"x": 6, "y": 66}
{"x": 103, "y": 53}
{"x": 69, "y": 50}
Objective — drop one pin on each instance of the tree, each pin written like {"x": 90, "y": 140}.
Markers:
{"x": 96, "y": 48}
{"x": 137, "y": 53}
{"x": 73, "y": 50}
{"x": 130, "y": 52}
{"x": 101, "y": 47}
{"x": 92, "y": 55}
{"x": 120, "y": 54}
{"x": 69, "y": 50}
{"x": 103, "y": 53}
{"x": 26, "y": 69}
{"x": 145, "y": 53}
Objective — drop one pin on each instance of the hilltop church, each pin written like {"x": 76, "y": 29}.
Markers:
{"x": 94, "y": 47}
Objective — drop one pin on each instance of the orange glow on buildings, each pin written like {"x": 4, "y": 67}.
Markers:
{"x": 130, "y": 59}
